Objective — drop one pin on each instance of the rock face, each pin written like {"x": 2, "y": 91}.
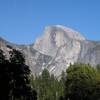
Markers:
{"x": 54, "y": 37}
{"x": 90, "y": 53}
{"x": 56, "y": 49}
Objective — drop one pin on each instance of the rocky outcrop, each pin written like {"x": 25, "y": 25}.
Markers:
{"x": 90, "y": 53}
{"x": 56, "y": 49}
{"x": 33, "y": 58}
{"x": 54, "y": 37}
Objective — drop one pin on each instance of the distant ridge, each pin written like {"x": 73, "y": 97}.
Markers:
{"x": 56, "y": 49}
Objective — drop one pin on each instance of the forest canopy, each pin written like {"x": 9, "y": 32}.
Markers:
{"x": 78, "y": 82}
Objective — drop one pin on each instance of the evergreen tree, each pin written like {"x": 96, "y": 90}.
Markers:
{"x": 19, "y": 77}
{"x": 48, "y": 87}
{"x": 83, "y": 83}
{"x": 14, "y": 78}
{"x": 4, "y": 77}
{"x": 62, "y": 85}
{"x": 98, "y": 67}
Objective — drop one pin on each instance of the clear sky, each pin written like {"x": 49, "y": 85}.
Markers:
{"x": 22, "y": 21}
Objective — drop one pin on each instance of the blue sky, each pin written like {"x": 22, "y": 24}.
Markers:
{"x": 22, "y": 21}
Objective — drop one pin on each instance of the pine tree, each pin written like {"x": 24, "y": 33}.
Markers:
{"x": 19, "y": 77}
{"x": 4, "y": 77}
{"x": 83, "y": 83}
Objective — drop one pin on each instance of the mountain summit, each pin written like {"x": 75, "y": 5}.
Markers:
{"x": 54, "y": 37}
{"x": 56, "y": 49}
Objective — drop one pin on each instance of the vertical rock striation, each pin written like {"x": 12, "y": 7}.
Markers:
{"x": 56, "y": 49}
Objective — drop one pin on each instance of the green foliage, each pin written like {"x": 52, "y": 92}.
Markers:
{"x": 18, "y": 76}
{"x": 4, "y": 77}
{"x": 14, "y": 81}
{"x": 83, "y": 83}
{"x": 47, "y": 86}
{"x": 79, "y": 82}
{"x": 98, "y": 67}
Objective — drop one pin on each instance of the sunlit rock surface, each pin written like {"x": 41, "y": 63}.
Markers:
{"x": 56, "y": 49}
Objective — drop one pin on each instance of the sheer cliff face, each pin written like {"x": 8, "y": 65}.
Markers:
{"x": 56, "y": 49}
{"x": 54, "y": 37}
{"x": 90, "y": 52}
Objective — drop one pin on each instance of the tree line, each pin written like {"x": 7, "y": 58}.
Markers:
{"x": 79, "y": 82}
{"x": 14, "y": 77}
{"x": 48, "y": 87}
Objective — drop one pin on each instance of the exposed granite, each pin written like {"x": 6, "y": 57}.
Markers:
{"x": 56, "y": 49}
